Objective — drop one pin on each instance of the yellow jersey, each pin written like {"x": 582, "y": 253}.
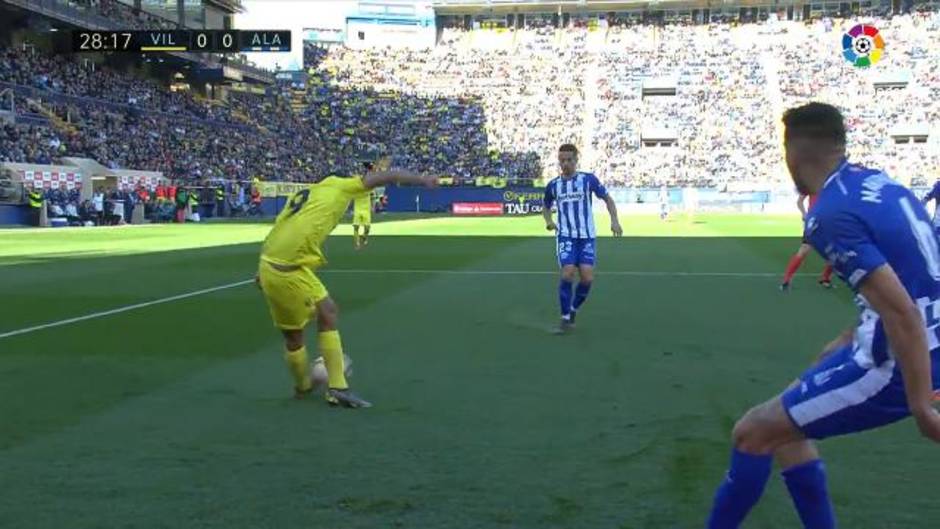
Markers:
{"x": 307, "y": 220}
{"x": 362, "y": 205}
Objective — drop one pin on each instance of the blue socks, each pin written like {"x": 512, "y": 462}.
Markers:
{"x": 745, "y": 482}
{"x": 740, "y": 490}
{"x": 807, "y": 486}
{"x": 564, "y": 296}
{"x": 580, "y": 294}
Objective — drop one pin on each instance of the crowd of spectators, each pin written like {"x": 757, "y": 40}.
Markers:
{"x": 31, "y": 143}
{"x": 122, "y": 13}
{"x": 540, "y": 87}
{"x": 498, "y": 103}
{"x": 67, "y": 75}
{"x": 901, "y": 92}
{"x": 716, "y": 123}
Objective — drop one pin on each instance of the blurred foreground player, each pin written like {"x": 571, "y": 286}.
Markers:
{"x": 292, "y": 252}
{"x": 879, "y": 238}
{"x": 572, "y": 192}
{"x": 825, "y": 279}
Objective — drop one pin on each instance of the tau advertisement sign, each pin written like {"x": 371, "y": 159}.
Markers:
{"x": 508, "y": 201}
{"x": 522, "y": 202}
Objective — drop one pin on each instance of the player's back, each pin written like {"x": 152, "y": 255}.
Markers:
{"x": 897, "y": 223}
{"x": 307, "y": 220}
{"x": 863, "y": 220}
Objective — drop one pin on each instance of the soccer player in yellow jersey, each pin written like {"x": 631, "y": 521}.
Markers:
{"x": 362, "y": 215}
{"x": 291, "y": 254}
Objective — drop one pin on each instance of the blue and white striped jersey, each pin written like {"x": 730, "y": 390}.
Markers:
{"x": 574, "y": 198}
{"x": 864, "y": 220}
{"x": 935, "y": 195}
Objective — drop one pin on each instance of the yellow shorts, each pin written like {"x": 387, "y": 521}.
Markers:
{"x": 292, "y": 296}
{"x": 362, "y": 219}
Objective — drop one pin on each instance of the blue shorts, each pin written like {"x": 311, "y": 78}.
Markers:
{"x": 838, "y": 396}
{"x": 575, "y": 252}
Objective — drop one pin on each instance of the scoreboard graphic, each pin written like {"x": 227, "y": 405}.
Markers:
{"x": 194, "y": 41}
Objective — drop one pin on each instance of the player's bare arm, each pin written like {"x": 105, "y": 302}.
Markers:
{"x": 905, "y": 330}
{"x": 549, "y": 221}
{"x": 375, "y": 179}
{"x": 614, "y": 218}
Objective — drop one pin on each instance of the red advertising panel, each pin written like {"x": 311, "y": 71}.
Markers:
{"x": 478, "y": 208}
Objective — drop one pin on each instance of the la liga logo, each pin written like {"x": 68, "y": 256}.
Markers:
{"x": 862, "y": 45}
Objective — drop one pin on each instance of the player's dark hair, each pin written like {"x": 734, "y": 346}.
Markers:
{"x": 368, "y": 166}
{"x": 568, "y": 147}
{"x": 815, "y": 121}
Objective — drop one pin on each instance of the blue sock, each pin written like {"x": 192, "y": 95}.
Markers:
{"x": 742, "y": 487}
{"x": 807, "y": 486}
{"x": 564, "y": 296}
{"x": 580, "y": 294}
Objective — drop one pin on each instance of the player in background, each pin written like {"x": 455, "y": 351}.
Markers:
{"x": 879, "y": 238}
{"x": 934, "y": 195}
{"x": 362, "y": 212}
{"x": 690, "y": 198}
{"x": 663, "y": 201}
{"x": 292, "y": 252}
{"x": 573, "y": 193}
{"x": 825, "y": 279}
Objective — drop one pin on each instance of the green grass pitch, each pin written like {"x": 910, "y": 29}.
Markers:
{"x": 179, "y": 414}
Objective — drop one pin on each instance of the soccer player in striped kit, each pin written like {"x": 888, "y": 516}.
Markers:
{"x": 573, "y": 193}
{"x": 881, "y": 370}
{"x": 934, "y": 194}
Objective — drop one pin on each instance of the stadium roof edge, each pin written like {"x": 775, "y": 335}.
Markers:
{"x": 229, "y": 6}
{"x": 452, "y": 7}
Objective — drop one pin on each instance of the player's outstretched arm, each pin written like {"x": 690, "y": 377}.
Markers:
{"x": 375, "y": 179}
{"x": 549, "y": 222}
{"x": 904, "y": 327}
{"x": 614, "y": 216}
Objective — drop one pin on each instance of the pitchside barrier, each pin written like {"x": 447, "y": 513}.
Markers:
{"x": 488, "y": 201}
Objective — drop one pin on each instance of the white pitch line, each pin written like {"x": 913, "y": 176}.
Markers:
{"x": 145, "y": 304}
{"x": 641, "y": 273}
{"x": 123, "y": 309}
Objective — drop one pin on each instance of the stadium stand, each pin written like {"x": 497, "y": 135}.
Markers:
{"x": 884, "y": 112}
{"x": 649, "y": 104}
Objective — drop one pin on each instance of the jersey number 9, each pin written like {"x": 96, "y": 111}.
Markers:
{"x": 298, "y": 200}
